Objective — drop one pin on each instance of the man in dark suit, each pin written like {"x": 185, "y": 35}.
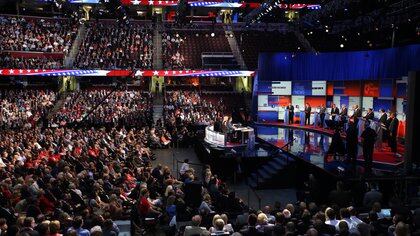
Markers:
{"x": 383, "y": 121}
{"x": 322, "y": 111}
{"x": 343, "y": 115}
{"x": 334, "y": 111}
{"x": 357, "y": 114}
{"x": 369, "y": 115}
{"x": 368, "y": 139}
{"x": 383, "y": 118}
{"x": 357, "y": 111}
{"x": 308, "y": 109}
{"x": 393, "y": 131}
{"x": 352, "y": 142}
{"x": 291, "y": 110}
{"x": 250, "y": 229}
{"x": 217, "y": 125}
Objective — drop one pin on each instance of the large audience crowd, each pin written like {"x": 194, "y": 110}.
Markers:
{"x": 78, "y": 180}
{"x": 111, "y": 107}
{"x": 22, "y": 109}
{"x": 171, "y": 56}
{"x": 113, "y": 46}
{"x": 36, "y": 34}
{"x": 184, "y": 111}
{"x": 7, "y": 61}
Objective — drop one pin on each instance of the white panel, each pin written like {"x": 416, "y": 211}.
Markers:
{"x": 319, "y": 88}
{"x": 337, "y": 101}
{"x": 298, "y": 101}
{"x": 281, "y": 87}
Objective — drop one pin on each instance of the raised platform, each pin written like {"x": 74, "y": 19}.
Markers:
{"x": 310, "y": 144}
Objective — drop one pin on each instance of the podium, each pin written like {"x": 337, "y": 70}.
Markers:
{"x": 243, "y": 135}
{"x": 302, "y": 118}
{"x": 286, "y": 116}
{"x": 317, "y": 119}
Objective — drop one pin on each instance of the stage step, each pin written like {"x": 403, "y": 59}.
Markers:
{"x": 270, "y": 169}
{"x": 273, "y": 173}
{"x": 275, "y": 165}
{"x": 282, "y": 161}
{"x": 252, "y": 183}
{"x": 265, "y": 175}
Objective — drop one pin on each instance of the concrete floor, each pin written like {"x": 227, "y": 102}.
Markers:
{"x": 250, "y": 197}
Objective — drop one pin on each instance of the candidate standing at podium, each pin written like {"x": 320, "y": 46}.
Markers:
{"x": 369, "y": 115}
{"x": 334, "y": 111}
{"x": 308, "y": 109}
{"x": 291, "y": 109}
{"x": 383, "y": 120}
{"x": 322, "y": 111}
{"x": 357, "y": 114}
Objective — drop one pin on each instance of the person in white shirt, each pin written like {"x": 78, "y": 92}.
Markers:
{"x": 330, "y": 216}
{"x": 353, "y": 217}
{"x": 345, "y": 216}
{"x": 184, "y": 167}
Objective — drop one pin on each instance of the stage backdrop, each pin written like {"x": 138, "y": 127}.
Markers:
{"x": 359, "y": 65}
{"x": 368, "y": 78}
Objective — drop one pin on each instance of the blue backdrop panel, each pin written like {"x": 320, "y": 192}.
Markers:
{"x": 302, "y": 88}
{"x": 268, "y": 115}
{"x": 382, "y": 104}
{"x": 264, "y": 87}
{"x": 401, "y": 90}
{"x": 385, "y": 88}
{"x": 359, "y": 65}
{"x": 344, "y": 100}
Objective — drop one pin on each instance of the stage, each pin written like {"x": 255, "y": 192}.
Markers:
{"x": 310, "y": 144}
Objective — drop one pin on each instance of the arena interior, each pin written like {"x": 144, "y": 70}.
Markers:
{"x": 221, "y": 117}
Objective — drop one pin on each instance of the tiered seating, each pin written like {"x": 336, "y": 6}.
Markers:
{"x": 196, "y": 42}
{"x": 33, "y": 42}
{"x": 121, "y": 107}
{"x": 9, "y": 61}
{"x": 252, "y": 43}
{"x": 111, "y": 46}
{"x": 24, "y": 108}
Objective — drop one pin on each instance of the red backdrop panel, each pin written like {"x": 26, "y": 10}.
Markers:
{"x": 352, "y": 88}
{"x": 315, "y": 101}
{"x": 284, "y": 100}
{"x": 330, "y": 88}
{"x": 371, "y": 89}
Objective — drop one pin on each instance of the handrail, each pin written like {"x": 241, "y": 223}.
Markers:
{"x": 255, "y": 193}
{"x": 287, "y": 144}
{"x": 176, "y": 162}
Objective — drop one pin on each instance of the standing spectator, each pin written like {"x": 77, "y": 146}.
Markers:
{"x": 368, "y": 139}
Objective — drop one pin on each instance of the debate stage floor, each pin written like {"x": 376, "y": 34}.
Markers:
{"x": 311, "y": 145}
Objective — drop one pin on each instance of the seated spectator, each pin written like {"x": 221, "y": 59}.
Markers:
{"x": 77, "y": 226}
{"x": 262, "y": 223}
{"x": 112, "y": 46}
{"x": 36, "y": 34}
{"x": 195, "y": 228}
{"x": 401, "y": 229}
{"x": 250, "y": 229}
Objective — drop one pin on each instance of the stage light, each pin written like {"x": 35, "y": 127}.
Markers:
{"x": 341, "y": 45}
{"x": 177, "y": 35}
{"x": 197, "y": 35}
{"x": 212, "y": 34}
{"x": 326, "y": 30}
{"x": 298, "y": 48}
{"x": 231, "y": 35}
